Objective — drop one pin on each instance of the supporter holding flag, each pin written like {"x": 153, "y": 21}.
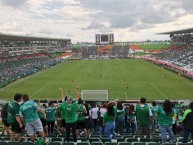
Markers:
{"x": 13, "y": 117}
{"x": 28, "y": 113}
{"x": 165, "y": 118}
{"x": 187, "y": 121}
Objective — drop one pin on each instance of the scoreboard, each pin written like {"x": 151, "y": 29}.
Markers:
{"x": 104, "y": 39}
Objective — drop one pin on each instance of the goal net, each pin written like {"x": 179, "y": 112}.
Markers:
{"x": 94, "y": 95}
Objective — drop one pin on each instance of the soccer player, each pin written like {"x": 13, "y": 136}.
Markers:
{"x": 13, "y": 117}
{"x": 28, "y": 112}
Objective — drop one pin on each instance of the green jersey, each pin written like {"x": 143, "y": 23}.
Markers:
{"x": 12, "y": 112}
{"x": 50, "y": 114}
{"x": 154, "y": 110}
{"x": 41, "y": 115}
{"x": 109, "y": 119}
{"x": 120, "y": 113}
{"x": 29, "y": 111}
{"x": 142, "y": 113}
{"x": 163, "y": 118}
{"x": 62, "y": 113}
{"x": 69, "y": 111}
{"x": 80, "y": 113}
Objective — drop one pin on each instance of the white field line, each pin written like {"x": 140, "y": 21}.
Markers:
{"x": 39, "y": 90}
{"x": 126, "y": 95}
{"x": 159, "y": 90}
{"x": 173, "y": 75}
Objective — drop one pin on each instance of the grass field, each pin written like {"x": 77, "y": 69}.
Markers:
{"x": 143, "y": 79}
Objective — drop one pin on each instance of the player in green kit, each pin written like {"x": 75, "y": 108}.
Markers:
{"x": 28, "y": 112}
{"x": 69, "y": 109}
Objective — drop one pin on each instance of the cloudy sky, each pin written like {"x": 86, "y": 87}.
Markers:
{"x": 80, "y": 20}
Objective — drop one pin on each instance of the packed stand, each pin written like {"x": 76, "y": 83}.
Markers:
{"x": 21, "y": 66}
{"x": 109, "y": 122}
{"x": 181, "y": 56}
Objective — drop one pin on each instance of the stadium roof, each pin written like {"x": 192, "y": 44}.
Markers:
{"x": 29, "y": 38}
{"x": 190, "y": 30}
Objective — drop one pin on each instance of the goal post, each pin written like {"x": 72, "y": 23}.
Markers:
{"x": 94, "y": 95}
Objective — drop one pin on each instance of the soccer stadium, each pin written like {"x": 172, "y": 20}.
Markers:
{"x": 66, "y": 91}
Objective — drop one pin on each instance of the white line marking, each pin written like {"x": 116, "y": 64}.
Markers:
{"x": 126, "y": 95}
{"x": 39, "y": 90}
{"x": 159, "y": 90}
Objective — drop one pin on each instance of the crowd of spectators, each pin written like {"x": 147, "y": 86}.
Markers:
{"x": 111, "y": 118}
{"x": 181, "y": 56}
{"x": 95, "y": 53}
{"x": 13, "y": 68}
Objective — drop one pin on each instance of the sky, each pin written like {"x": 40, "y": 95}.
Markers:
{"x": 80, "y": 20}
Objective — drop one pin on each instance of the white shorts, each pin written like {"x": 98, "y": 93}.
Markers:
{"x": 34, "y": 126}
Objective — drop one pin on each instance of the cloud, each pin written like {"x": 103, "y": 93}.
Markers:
{"x": 15, "y": 3}
{"x": 82, "y": 19}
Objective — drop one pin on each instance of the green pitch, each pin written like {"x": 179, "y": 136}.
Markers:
{"x": 125, "y": 79}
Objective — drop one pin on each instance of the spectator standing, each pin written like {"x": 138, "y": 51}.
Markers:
{"x": 94, "y": 114}
{"x": 101, "y": 113}
{"x": 81, "y": 111}
{"x": 50, "y": 117}
{"x": 154, "y": 110}
{"x": 13, "y": 117}
{"x": 187, "y": 121}
{"x": 130, "y": 119}
{"x": 120, "y": 117}
{"x": 144, "y": 117}
{"x": 165, "y": 117}
{"x": 109, "y": 121}
{"x": 4, "y": 119}
{"x": 28, "y": 113}
{"x": 69, "y": 109}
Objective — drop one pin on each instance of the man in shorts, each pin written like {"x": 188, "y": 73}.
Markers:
{"x": 28, "y": 112}
{"x": 13, "y": 117}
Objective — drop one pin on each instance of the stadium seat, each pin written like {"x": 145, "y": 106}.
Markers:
{"x": 110, "y": 143}
{"x": 124, "y": 143}
{"x": 51, "y": 135}
{"x": 170, "y": 144}
{"x": 145, "y": 140}
{"x": 128, "y": 136}
{"x": 54, "y": 143}
{"x": 97, "y": 143}
{"x": 27, "y": 143}
{"x": 120, "y": 139}
{"x": 68, "y": 143}
{"x": 3, "y": 143}
{"x": 5, "y": 138}
{"x": 150, "y": 143}
{"x": 157, "y": 140}
{"x": 57, "y": 139}
{"x": 82, "y": 143}
{"x": 13, "y": 143}
{"x": 131, "y": 140}
{"x": 139, "y": 143}
{"x": 94, "y": 140}
{"x": 104, "y": 140}
{"x": 183, "y": 143}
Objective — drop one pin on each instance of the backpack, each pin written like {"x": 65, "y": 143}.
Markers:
{"x": 41, "y": 141}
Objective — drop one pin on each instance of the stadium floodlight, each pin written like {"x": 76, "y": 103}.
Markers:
{"x": 94, "y": 95}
